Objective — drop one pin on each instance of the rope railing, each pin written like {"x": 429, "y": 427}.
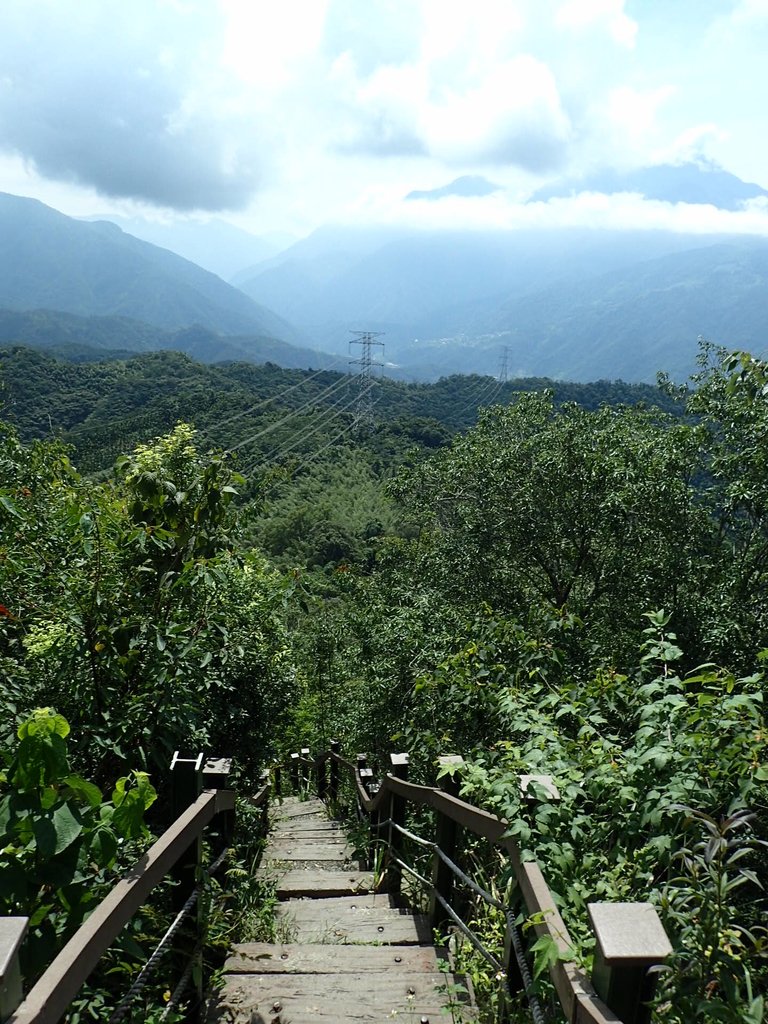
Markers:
{"x": 629, "y": 938}
{"x": 472, "y": 937}
{"x": 178, "y": 853}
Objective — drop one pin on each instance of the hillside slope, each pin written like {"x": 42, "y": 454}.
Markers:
{"x": 50, "y": 261}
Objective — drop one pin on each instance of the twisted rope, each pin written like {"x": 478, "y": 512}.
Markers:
{"x": 517, "y": 946}
{"x": 161, "y": 949}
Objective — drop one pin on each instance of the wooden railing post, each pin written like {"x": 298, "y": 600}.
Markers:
{"x": 305, "y": 779}
{"x": 321, "y": 777}
{"x": 396, "y": 841}
{"x": 364, "y": 773}
{"x": 216, "y": 776}
{"x": 186, "y": 787}
{"x": 264, "y": 780}
{"x": 12, "y": 932}
{"x": 295, "y": 774}
{"x": 630, "y": 939}
{"x": 277, "y": 776}
{"x": 446, "y": 836}
{"x": 333, "y": 784}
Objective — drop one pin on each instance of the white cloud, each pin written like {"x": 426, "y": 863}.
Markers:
{"x": 625, "y": 211}
{"x": 296, "y": 106}
{"x": 267, "y": 45}
{"x": 513, "y": 115}
{"x": 750, "y": 10}
{"x": 580, "y": 15}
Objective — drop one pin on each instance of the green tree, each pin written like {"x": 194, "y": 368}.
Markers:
{"x": 590, "y": 511}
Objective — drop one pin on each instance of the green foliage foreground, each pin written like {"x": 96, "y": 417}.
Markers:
{"x": 522, "y": 627}
{"x": 501, "y": 599}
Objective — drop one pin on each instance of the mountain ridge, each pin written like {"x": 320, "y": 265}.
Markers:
{"x": 51, "y": 261}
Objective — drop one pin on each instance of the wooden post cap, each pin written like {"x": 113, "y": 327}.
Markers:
{"x": 629, "y": 934}
{"x": 450, "y": 760}
{"x": 399, "y": 759}
{"x": 12, "y": 932}
{"x": 546, "y": 782}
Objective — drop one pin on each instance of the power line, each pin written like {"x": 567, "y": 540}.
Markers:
{"x": 319, "y": 452}
{"x": 283, "y": 450}
{"x": 278, "y": 397}
{"x": 486, "y": 388}
{"x": 342, "y": 382}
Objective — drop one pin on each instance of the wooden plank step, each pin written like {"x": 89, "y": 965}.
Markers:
{"x": 297, "y": 825}
{"x": 267, "y": 958}
{"x": 340, "y": 999}
{"x": 316, "y": 884}
{"x": 345, "y": 919}
{"x": 308, "y": 850}
{"x": 293, "y": 808}
{"x": 301, "y": 835}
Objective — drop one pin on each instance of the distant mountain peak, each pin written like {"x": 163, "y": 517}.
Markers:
{"x": 467, "y": 186}
{"x": 694, "y": 181}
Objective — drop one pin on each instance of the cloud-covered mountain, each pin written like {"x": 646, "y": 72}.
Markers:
{"x": 50, "y": 261}
{"x": 213, "y": 244}
{"x": 468, "y": 185}
{"x": 698, "y": 181}
{"x": 567, "y": 302}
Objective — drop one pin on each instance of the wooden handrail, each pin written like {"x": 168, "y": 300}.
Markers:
{"x": 49, "y": 998}
{"x": 575, "y": 991}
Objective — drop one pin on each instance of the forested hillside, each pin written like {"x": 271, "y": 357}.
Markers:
{"x": 571, "y": 582}
{"x": 50, "y": 261}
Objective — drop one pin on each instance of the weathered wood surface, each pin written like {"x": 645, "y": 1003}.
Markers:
{"x": 265, "y": 958}
{"x": 353, "y": 957}
{"x": 336, "y": 998}
{"x": 314, "y": 882}
{"x": 353, "y": 919}
{"x": 307, "y": 826}
{"x": 310, "y": 851}
{"x": 293, "y": 808}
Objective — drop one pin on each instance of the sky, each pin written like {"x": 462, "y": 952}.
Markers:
{"x": 283, "y": 116}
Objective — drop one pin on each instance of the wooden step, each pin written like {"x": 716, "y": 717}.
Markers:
{"x": 364, "y": 918}
{"x": 309, "y": 850}
{"x": 299, "y": 826}
{"x": 332, "y": 998}
{"x": 302, "y": 835}
{"x": 318, "y": 884}
{"x": 268, "y": 958}
{"x": 355, "y": 957}
{"x": 293, "y": 808}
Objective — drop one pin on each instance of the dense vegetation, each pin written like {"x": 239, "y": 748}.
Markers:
{"x": 567, "y": 587}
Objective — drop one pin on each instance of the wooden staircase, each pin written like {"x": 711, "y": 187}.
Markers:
{"x": 350, "y": 954}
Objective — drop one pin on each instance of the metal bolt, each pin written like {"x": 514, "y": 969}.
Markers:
{"x": 398, "y": 959}
{"x": 283, "y": 956}
{"x": 411, "y": 990}
{"x": 381, "y": 928}
{"x": 277, "y": 1006}
{"x": 424, "y": 1020}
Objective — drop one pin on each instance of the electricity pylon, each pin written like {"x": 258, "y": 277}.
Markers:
{"x": 365, "y": 374}
{"x": 504, "y": 368}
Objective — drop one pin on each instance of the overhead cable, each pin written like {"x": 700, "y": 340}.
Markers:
{"x": 342, "y": 382}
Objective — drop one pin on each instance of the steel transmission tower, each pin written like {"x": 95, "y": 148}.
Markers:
{"x": 365, "y": 374}
{"x": 504, "y": 368}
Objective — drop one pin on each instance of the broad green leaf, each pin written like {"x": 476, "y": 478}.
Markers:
{"x": 84, "y": 788}
{"x": 67, "y": 825}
